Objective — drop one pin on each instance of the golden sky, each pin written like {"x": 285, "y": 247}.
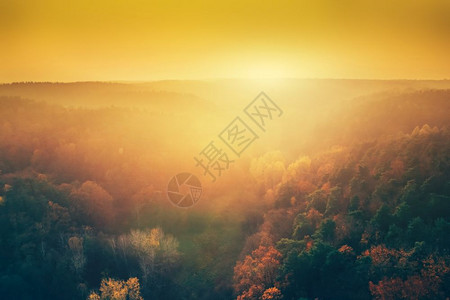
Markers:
{"x": 151, "y": 40}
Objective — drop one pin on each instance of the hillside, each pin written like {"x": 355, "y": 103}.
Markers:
{"x": 346, "y": 196}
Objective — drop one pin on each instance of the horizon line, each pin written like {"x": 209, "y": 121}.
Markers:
{"x": 224, "y": 78}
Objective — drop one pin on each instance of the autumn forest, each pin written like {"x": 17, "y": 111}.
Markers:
{"x": 346, "y": 195}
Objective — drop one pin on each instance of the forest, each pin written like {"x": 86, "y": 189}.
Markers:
{"x": 345, "y": 196}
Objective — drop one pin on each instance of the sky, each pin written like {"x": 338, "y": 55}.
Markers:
{"x": 138, "y": 40}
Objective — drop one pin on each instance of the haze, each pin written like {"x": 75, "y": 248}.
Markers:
{"x": 154, "y": 40}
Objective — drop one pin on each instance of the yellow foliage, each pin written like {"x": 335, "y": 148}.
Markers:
{"x": 118, "y": 290}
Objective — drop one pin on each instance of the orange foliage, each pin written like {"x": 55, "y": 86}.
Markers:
{"x": 433, "y": 271}
{"x": 314, "y": 216}
{"x": 388, "y": 289}
{"x": 346, "y": 249}
{"x": 272, "y": 293}
{"x": 325, "y": 169}
{"x": 385, "y": 257}
{"x": 309, "y": 243}
{"x": 256, "y": 273}
{"x": 326, "y": 187}
{"x": 428, "y": 283}
{"x": 304, "y": 186}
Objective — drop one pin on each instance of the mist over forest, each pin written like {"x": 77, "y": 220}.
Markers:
{"x": 346, "y": 195}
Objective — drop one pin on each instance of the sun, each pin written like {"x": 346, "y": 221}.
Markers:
{"x": 266, "y": 70}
